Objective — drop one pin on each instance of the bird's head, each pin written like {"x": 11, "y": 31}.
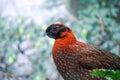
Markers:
{"x": 58, "y": 31}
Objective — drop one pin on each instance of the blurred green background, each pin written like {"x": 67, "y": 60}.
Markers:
{"x": 26, "y": 55}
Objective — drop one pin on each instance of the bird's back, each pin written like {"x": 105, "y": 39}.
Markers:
{"x": 92, "y": 57}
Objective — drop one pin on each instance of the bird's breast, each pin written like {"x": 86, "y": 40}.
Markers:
{"x": 64, "y": 56}
{"x": 65, "y": 65}
{"x": 65, "y": 61}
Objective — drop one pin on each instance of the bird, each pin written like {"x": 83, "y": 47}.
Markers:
{"x": 74, "y": 59}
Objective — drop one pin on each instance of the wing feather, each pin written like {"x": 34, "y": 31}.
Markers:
{"x": 92, "y": 57}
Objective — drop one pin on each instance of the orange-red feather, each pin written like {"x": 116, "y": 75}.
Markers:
{"x": 75, "y": 59}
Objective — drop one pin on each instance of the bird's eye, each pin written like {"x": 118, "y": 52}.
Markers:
{"x": 54, "y": 28}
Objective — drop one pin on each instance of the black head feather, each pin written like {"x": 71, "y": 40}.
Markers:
{"x": 55, "y": 30}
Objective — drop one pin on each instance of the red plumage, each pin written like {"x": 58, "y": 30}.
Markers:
{"x": 75, "y": 60}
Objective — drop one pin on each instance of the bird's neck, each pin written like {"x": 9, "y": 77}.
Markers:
{"x": 68, "y": 39}
{"x": 63, "y": 42}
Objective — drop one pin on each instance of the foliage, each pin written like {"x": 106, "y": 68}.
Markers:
{"x": 109, "y": 74}
{"x": 24, "y": 52}
{"x": 24, "y": 38}
{"x": 98, "y": 23}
